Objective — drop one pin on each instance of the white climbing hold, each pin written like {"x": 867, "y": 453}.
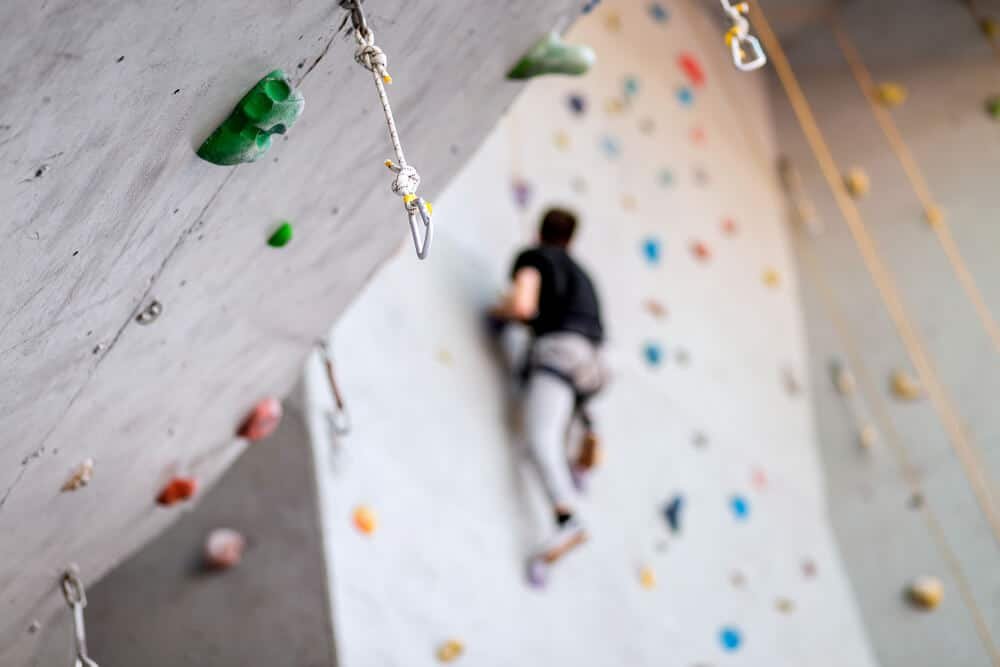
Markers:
{"x": 868, "y": 437}
{"x": 224, "y": 548}
{"x": 926, "y": 592}
{"x": 81, "y": 476}
{"x": 843, "y": 379}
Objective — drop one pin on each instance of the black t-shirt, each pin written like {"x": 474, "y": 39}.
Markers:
{"x": 568, "y": 300}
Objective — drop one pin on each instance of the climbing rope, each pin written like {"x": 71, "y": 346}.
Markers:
{"x": 407, "y": 180}
{"x": 76, "y": 598}
{"x": 919, "y": 185}
{"x": 747, "y": 52}
{"x": 974, "y": 471}
{"x": 852, "y": 350}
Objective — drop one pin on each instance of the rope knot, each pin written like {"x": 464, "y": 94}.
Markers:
{"x": 407, "y": 180}
{"x": 371, "y": 57}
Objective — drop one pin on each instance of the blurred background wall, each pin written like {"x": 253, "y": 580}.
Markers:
{"x": 681, "y": 207}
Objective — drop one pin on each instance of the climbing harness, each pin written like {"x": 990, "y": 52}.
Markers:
{"x": 748, "y": 54}
{"x": 339, "y": 418}
{"x": 76, "y": 598}
{"x": 407, "y": 180}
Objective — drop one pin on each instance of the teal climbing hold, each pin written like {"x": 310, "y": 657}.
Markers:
{"x": 552, "y": 56}
{"x": 281, "y": 236}
{"x": 271, "y": 107}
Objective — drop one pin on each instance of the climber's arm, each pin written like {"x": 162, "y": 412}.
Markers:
{"x": 521, "y": 301}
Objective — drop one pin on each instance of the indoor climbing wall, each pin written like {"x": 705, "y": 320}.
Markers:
{"x": 901, "y": 296}
{"x": 709, "y": 543}
{"x": 144, "y": 313}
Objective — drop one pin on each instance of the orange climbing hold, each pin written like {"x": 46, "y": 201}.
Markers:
{"x": 177, "y": 490}
{"x": 655, "y": 308}
{"x": 262, "y": 421}
{"x": 81, "y": 476}
{"x": 905, "y": 387}
{"x": 700, "y": 250}
{"x": 365, "y": 520}
{"x": 926, "y": 592}
{"x": 857, "y": 183}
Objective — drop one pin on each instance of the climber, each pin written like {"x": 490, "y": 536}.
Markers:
{"x": 561, "y": 369}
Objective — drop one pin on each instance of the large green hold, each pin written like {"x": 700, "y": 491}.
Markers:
{"x": 552, "y": 56}
{"x": 271, "y": 107}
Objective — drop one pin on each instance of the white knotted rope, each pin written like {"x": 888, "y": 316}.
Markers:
{"x": 407, "y": 179}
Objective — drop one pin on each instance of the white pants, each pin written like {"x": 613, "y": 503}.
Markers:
{"x": 549, "y": 403}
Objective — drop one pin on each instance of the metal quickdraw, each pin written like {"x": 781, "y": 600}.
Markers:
{"x": 748, "y": 54}
{"x": 407, "y": 180}
{"x": 76, "y": 598}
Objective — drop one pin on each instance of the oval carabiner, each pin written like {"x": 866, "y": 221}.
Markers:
{"x": 747, "y": 60}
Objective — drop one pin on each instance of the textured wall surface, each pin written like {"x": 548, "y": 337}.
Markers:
{"x": 906, "y": 507}
{"x": 108, "y": 209}
{"x": 651, "y": 159}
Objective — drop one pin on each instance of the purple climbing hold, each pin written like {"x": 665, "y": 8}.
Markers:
{"x": 577, "y": 103}
{"x": 538, "y": 571}
{"x": 522, "y": 192}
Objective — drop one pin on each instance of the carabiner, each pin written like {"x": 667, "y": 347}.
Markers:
{"x": 744, "y": 63}
{"x": 421, "y": 241}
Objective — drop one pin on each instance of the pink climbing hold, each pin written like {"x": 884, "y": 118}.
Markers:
{"x": 224, "y": 548}
{"x": 262, "y": 421}
{"x": 692, "y": 69}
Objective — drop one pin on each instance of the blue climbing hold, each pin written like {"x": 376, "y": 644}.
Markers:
{"x": 577, "y": 104}
{"x": 659, "y": 13}
{"x": 672, "y": 512}
{"x": 651, "y": 249}
{"x": 685, "y": 96}
{"x": 653, "y": 354}
{"x": 740, "y": 507}
{"x": 730, "y": 638}
{"x": 631, "y": 86}
{"x": 610, "y": 146}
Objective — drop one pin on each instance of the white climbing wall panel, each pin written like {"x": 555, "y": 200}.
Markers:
{"x": 655, "y": 164}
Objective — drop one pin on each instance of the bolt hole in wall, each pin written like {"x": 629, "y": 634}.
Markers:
{"x": 709, "y": 465}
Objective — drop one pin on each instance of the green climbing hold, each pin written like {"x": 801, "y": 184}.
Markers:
{"x": 281, "y": 236}
{"x": 271, "y": 107}
{"x": 993, "y": 107}
{"x": 552, "y": 56}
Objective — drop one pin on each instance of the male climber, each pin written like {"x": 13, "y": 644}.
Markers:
{"x": 562, "y": 369}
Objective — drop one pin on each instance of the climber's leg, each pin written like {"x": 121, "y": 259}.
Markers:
{"x": 548, "y": 408}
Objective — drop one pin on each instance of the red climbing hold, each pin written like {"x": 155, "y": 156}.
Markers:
{"x": 262, "y": 421}
{"x": 692, "y": 69}
{"x": 177, "y": 490}
{"x": 701, "y": 251}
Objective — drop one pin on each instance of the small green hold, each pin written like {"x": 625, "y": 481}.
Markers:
{"x": 271, "y": 107}
{"x": 281, "y": 236}
{"x": 993, "y": 107}
{"x": 552, "y": 56}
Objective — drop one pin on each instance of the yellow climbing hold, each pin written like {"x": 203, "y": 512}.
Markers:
{"x": 990, "y": 27}
{"x": 890, "y": 95}
{"x": 857, "y": 183}
{"x": 868, "y": 436}
{"x": 561, "y": 140}
{"x": 784, "y": 605}
{"x": 450, "y": 650}
{"x": 365, "y": 520}
{"x": 905, "y": 386}
{"x": 771, "y": 278}
{"x": 647, "y": 578}
{"x": 926, "y": 592}
{"x": 613, "y": 22}
{"x": 933, "y": 215}
{"x": 614, "y": 105}
{"x": 843, "y": 379}
{"x": 81, "y": 476}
